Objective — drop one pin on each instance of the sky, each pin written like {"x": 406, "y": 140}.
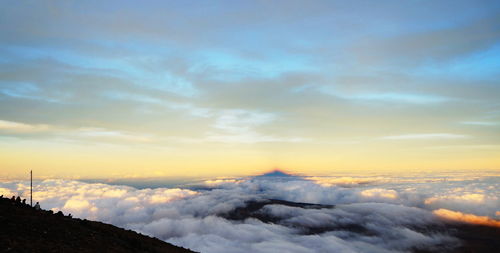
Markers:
{"x": 127, "y": 89}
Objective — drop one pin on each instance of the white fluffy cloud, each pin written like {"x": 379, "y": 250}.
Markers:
{"x": 369, "y": 215}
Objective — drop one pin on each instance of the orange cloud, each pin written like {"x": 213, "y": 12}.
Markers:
{"x": 331, "y": 181}
{"x": 467, "y": 218}
{"x": 475, "y": 197}
{"x": 168, "y": 195}
{"x": 378, "y": 192}
{"x": 217, "y": 182}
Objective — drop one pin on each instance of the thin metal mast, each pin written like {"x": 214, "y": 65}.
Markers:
{"x": 31, "y": 188}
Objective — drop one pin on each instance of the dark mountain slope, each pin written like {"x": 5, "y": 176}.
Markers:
{"x": 24, "y": 229}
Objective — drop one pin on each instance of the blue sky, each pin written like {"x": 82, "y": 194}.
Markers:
{"x": 259, "y": 78}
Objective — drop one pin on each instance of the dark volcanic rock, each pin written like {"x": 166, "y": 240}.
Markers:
{"x": 24, "y": 229}
{"x": 252, "y": 209}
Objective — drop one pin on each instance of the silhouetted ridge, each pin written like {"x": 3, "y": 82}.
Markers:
{"x": 24, "y": 229}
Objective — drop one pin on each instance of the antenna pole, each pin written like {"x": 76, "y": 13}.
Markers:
{"x": 31, "y": 188}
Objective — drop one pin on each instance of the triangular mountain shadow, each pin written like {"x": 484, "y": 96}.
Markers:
{"x": 278, "y": 174}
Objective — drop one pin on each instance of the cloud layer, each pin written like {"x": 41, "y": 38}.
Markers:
{"x": 376, "y": 215}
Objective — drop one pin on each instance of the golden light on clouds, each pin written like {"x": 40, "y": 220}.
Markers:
{"x": 383, "y": 193}
{"x": 467, "y": 218}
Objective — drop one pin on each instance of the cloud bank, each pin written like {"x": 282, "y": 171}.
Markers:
{"x": 264, "y": 214}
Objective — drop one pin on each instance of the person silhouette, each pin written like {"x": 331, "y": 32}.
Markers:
{"x": 37, "y": 206}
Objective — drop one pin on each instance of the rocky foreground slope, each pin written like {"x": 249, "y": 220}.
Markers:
{"x": 24, "y": 229}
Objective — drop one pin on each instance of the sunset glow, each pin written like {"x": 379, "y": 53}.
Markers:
{"x": 202, "y": 89}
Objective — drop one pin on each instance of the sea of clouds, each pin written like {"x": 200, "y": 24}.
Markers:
{"x": 370, "y": 214}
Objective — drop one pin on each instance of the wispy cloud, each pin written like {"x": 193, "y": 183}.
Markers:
{"x": 386, "y": 97}
{"x": 247, "y": 73}
{"x": 18, "y": 127}
{"x": 401, "y": 98}
{"x": 105, "y": 134}
{"x": 427, "y": 136}
{"x": 68, "y": 133}
{"x": 480, "y": 123}
{"x": 239, "y": 126}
